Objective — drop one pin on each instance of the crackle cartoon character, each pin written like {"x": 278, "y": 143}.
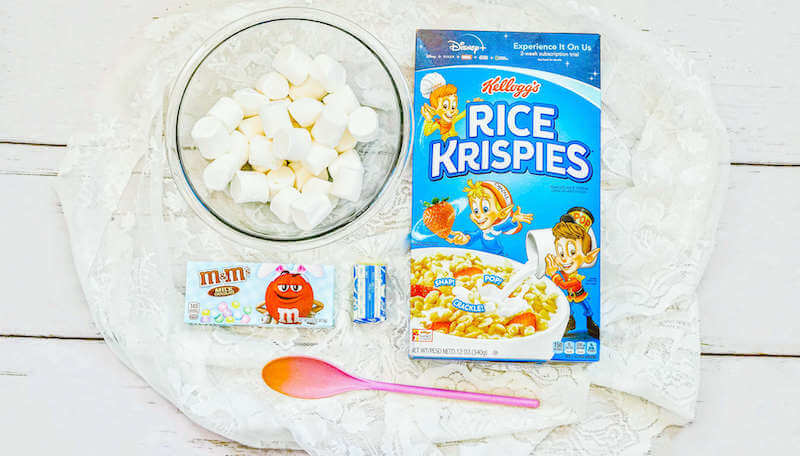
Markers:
{"x": 442, "y": 112}
{"x": 289, "y": 297}
{"x": 573, "y": 247}
{"x": 492, "y": 211}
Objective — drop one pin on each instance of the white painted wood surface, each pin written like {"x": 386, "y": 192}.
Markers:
{"x": 747, "y": 406}
{"x": 53, "y": 53}
{"x": 749, "y": 51}
{"x": 75, "y": 397}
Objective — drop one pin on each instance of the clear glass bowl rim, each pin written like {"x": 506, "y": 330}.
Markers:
{"x": 175, "y": 99}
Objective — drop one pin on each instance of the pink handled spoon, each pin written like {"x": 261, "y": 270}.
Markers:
{"x": 311, "y": 378}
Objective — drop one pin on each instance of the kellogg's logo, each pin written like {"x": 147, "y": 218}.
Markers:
{"x": 509, "y": 85}
{"x": 462, "y": 46}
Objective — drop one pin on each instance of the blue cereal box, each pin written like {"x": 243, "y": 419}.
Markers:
{"x": 259, "y": 294}
{"x": 505, "y": 241}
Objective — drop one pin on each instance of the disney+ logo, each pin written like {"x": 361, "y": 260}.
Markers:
{"x": 462, "y": 46}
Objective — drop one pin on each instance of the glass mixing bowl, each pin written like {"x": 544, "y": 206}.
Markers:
{"x": 235, "y": 57}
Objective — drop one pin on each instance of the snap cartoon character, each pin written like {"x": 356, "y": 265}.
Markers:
{"x": 492, "y": 211}
{"x": 442, "y": 112}
{"x": 289, "y": 297}
{"x": 573, "y": 246}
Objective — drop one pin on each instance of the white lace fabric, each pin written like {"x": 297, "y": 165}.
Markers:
{"x": 665, "y": 156}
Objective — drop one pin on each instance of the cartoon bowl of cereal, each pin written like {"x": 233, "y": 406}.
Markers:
{"x": 476, "y": 302}
{"x": 318, "y": 98}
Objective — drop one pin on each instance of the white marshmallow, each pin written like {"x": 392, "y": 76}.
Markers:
{"x": 346, "y": 160}
{"x": 275, "y": 117}
{"x": 318, "y": 158}
{"x": 363, "y": 124}
{"x": 343, "y": 98}
{"x": 309, "y": 209}
{"x": 317, "y": 185}
{"x": 293, "y": 63}
{"x": 292, "y": 143}
{"x": 305, "y": 111}
{"x": 273, "y": 85}
{"x": 249, "y": 100}
{"x": 329, "y": 127}
{"x": 280, "y": 178}
{"x": 281, "y": 204}
{"x": 285, "y": 101}
{"x": 310, "y": 88}
{"x": 261, "y": 156}
{"x": 330, "y": 73}
{"x": 347, "y": 184}
{"x": 240, "y": 147}
{"x": 346, "y": 143}
{"x": 211, "y": 137}
{"x": 250, "y": 187}
{"x": 228, "y": 112}
{"x": 219, "y": 172}
{"x": 321, "y": 186}
{"x": 251, "y": 126}
{"x": 301, "y": 174}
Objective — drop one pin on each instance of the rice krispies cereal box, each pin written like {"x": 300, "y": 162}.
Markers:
{"x": 505, "y": 241}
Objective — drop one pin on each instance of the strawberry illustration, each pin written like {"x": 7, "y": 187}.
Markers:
{"x": 468, "y": 271}
{"x": 443, "y": 326}
{"x": 420, "y": 290}
{"x": 439, "y": 216}
{"x": 524, "y": 319}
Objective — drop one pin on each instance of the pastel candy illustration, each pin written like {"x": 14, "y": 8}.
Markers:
{"x": 248, "y": 310}
{"x": 245, "y": 318}
{"x": 223, "y": 306}
{"x": 206, "y": 312}
{"x": 227, "y": 312}
{"x": 205, "y": 319}
{"x": 237, "y": 314}
{"x": 229, "y": 319}
{"x": 219, "y": 318}
{"x": 235, "y": 304}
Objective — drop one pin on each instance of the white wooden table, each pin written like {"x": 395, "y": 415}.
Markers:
{"x": 62, "y": 390}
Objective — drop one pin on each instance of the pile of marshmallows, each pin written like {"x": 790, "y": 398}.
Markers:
{"x": 297, "y": 131}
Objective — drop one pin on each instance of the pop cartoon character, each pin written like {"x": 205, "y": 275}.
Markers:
{"x": 442, "y": 112}
{"x": 573, "y": 246}
{"x": 492, "y": 211}
{"x": 289, "y": 297}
